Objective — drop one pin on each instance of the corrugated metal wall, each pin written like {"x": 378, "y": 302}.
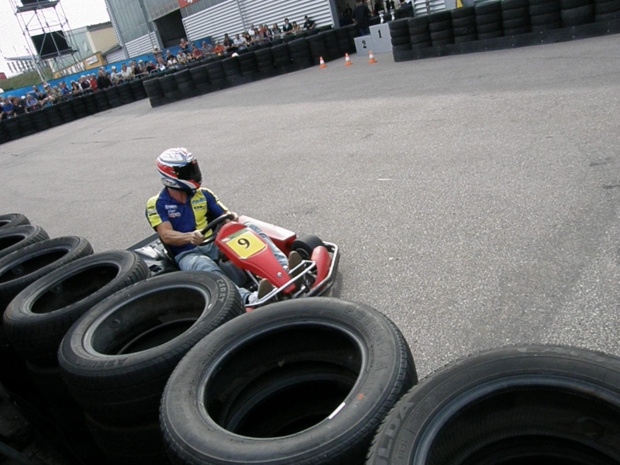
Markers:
{"x": 115, "y": 56}
{"x": 234, "y": 17}
{"x": 142, "y": 45}
{"x": 214, "y": 22}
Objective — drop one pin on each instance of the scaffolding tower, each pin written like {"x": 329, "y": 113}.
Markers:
{"x": 48, "y": 35}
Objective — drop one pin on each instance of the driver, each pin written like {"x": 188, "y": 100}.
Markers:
{"x": 183, "y": 208}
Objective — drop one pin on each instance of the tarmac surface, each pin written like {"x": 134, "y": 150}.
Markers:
{"x": 475, "y": 198}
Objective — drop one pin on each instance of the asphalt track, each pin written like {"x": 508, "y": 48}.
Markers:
{"x": 475, "y": 198}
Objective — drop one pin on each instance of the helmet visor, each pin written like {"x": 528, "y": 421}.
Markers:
{"x": 189, "y": 172}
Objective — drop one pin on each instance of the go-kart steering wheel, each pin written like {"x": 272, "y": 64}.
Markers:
{"x": 212, "y": 226}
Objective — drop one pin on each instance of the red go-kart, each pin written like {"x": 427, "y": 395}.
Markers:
{"x": 246, "y": 258}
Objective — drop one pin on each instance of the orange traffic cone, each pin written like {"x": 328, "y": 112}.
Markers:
{"x": 371, "y": 58}
{"x": 322, "y": 62}
{"x": 347, "y": 60}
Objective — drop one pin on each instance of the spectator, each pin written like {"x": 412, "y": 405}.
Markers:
{"x": 182, "y": 58}
{"x": 170, "y": 58}
{"x": 103, "y": 81}
{"x": 227, "y": 42}
{"x": 308, "y": 23}
{"x": 126, "y": 73}
{"x": 287, "y": 28}
{"x": 184, "y": 46}
{"x": 92, "y": 80}
{"x": 56, "y": 93}
{"x": 197, "y": 52}
{"x": 161, "y": 64}
{"x": 150, "y": 67}
{"x": 32, "y": 104}
{"x": 64, "y": 89}
{"x": 157, "y": 53}
{"x": 248, "y": 39}
{"x": 361, "y": 17}
{"x": 207, "y": 48}
{"x": 8, "y": 110}
{"x": 275, "y": 30}
{"x": 114, "y": 76}
{"x": 75, "y": 88}
{"x": 19, "y": 107}
{"x": 218, "y": 49}
{"x": 253, "y": 33}
{"x": 265, "y": 32}
{"x": 84, "y": 83}
{"x": 40, "y": 96}
{"x": 296, "y": 27}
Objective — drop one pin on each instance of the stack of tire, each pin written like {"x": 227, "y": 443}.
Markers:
{"x": 264, "y": 62}
{"x": 117, "y": 358}
{"x": 544, "y": 15}
{"x": 464, "y": 24}
{"x": 300, "y": 52}
{"x": 440, "y": 28}
{"x": 489, "y": 21}
{"x": 399, "y": 33}
{"x": 515, "y": 17}
{"x": 419, "y": 34}
{"x": 154, "y": 92}
{"x": 282, "y": 58}
{"x": 576, "y": 12}
{"x": 248, "y": 65}
{"x": 217, "y": 75}
{"x": 606, "y": 10}
{"x": 523, "y": 404}
{"x": 330, "y": 38}
{"x": 28, "y": 255}
{"x": 185, "y": 83}
{"x": 317, "y": 47}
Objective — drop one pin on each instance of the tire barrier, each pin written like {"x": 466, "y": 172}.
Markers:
{"x": 11, "y": 220}
{"x": 46, "y": 309}
{"x": 527, "y": 404}
{"x": 15, "y": 238}
{"x": 464, "y": 24}
{"x": 117, "y": 372}
{"x": 303, "y": 381}
{"x": 117, "y": 358}
{"x": 399, "y": 32}
{"x": 498, "y": 25}
{"x": 27, "y": 264}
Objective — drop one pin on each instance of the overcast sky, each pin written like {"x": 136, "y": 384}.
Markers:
{"x": 79, "y": 13}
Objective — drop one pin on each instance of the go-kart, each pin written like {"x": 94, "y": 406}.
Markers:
{"x": 245, "y": 258}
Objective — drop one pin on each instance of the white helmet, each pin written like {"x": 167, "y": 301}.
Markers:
{"x": 179, "y": 169}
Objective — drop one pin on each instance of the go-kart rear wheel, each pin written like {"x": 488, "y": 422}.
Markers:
{"x": 305, "y": 244}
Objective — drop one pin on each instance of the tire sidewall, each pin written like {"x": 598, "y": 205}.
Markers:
{"x": 371, "y": 331}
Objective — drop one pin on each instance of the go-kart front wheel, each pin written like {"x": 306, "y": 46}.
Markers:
{"x": 305, "y": 244}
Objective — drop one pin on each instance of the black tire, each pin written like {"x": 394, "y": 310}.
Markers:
{"x": 540, "y": 404}
{"x": 517, "y": 13}
{"x": 420, "y": 39}
{"x": 490, "y": 28}
{"x": 440, "y": 26}
{"x": 488, "y": 8}
{"x": 516, "y": 23}
{"x": 401, "y": 40}
{"x": 140, "y": 444}
{"x": 464, "y": 12}
{"x": 516, "y": 31}
{"x": 546, "y": 26}
{"x": 465, "y": 38}
{"x": 490, "y": 35}
{"x": 552, "y": 6}
{"x": 545, "y": 19}
{"x": 153, "y": 88}
{"x": 117, "y": 372}
{"x": 570, "y": 4}
{"x": 465, "y": 30}
{"x": 305, "y": 381}
{"x": 305, "y": 244}
{"x": 490, "y": 18}
{"x": 12, "y": 239}
{"x": 577, "y": 16}
{"x": 445, "y": 37}
{"x": 24, "y": 266}
{"x": 11, "y": 220}
{"x": 464, "y": 22}
{"x": 38, "y": 318}
{"x": 514, "y": 4}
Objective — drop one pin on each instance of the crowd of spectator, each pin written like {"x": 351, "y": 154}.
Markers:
{"x": 46, "y": 95}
